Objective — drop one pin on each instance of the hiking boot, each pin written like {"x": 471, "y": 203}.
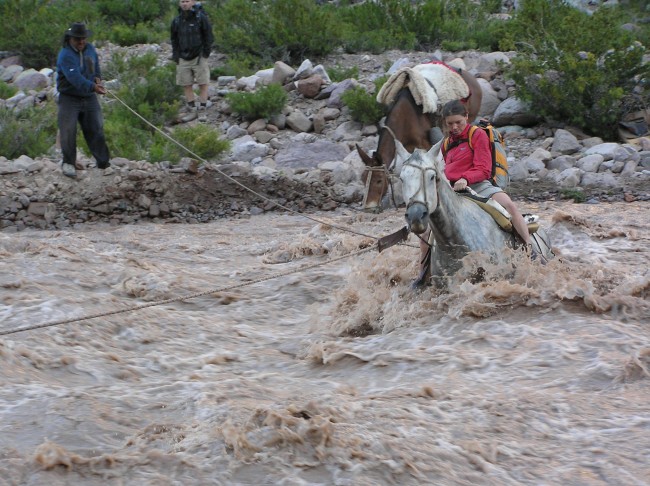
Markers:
{"x": 191, "y": 106}
{"x": 103, "y": 166}
{"x": 423, "y": 280}
{"x": 206, "y": 105}
{"x": 420, "y": 284}
{"x": 69, "y": 170}
{"x": 536, "y": 256}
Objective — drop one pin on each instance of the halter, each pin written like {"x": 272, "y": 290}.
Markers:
{"x": 387, "y": 170}
{"x": 423, "y": 186}
{"x": 423, "y": 189}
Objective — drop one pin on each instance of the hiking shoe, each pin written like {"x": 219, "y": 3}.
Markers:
{"x": 536, "y": 256}
{"x": 191, "y": 106}
{"x": 103, "y": 166}
{"x": 205, "y": 106}
{"x": 69, "y": 170}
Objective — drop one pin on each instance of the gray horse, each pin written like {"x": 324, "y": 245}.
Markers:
{"x": 458, "y": 225}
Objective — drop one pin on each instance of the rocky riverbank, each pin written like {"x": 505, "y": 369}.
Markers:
{"x": 304, "y": 159}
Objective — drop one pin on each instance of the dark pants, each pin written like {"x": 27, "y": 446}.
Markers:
{"x": 88, "y": 113}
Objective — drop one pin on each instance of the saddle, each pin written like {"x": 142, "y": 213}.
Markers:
{"x": 499, "y": 213}
{"x": 431, "y": 84}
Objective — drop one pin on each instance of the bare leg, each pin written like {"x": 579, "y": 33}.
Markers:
{"x": 203, "y": 93}
{"x": 517, "y": 219}
{"x": 189, "y": 93}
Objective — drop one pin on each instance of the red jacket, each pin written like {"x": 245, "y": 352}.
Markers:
{"x": 463, "y": 162}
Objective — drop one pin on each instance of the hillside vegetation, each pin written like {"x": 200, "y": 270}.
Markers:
{"x": 588, "y": 70}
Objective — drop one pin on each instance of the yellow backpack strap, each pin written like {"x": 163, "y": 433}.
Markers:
{"x": 470, "y": 134}
{"x": 445, "y": 146}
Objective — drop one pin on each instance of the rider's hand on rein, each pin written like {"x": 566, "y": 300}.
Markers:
{"x": 460, "y": 184}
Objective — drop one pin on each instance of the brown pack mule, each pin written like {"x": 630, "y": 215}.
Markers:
{"x": 411, "y": 126}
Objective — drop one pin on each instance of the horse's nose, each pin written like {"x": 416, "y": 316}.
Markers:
{"x": 416, "y": 217}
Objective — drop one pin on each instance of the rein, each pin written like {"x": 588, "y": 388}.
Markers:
{"x": 423, "y": 189}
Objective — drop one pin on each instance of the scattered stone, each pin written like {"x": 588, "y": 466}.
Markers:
{"x": 303, "y": 158}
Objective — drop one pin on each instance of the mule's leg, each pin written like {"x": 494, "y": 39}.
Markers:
{"x": 424, "y": 278}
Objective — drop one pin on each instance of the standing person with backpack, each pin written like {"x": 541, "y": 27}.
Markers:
{"x": 79, "y": 81}
{"x": 192, "y": 38}
{"x": 470, "y": 165}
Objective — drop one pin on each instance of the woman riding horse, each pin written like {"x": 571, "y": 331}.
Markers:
{"x": 471, "y": 167}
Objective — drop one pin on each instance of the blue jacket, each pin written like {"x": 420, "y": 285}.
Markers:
{"x": 76, "y": 71}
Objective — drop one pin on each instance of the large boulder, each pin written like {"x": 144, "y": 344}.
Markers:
{"x": 514, "y": 111}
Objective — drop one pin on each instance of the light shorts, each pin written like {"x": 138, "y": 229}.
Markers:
{"x": 193, "y": 71}
{"x": 485, "y": 189}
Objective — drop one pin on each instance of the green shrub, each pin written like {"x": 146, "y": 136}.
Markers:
{"x": 363, "y": 106}
{"x": 149, "y": 90}
{"x": 397, "y": 24}
{"x": 35, "y": 28}
{"x": 7, "y": 91}
{"x": 142, "y": 33}
{"x": 376, "y": 27}
{"x": 452, "y": 23}
{"x": 134, "y": 12}
{"x": 202, "y": 140}
{"x": 242, "y": 65}
{"x": 29, "y": 132}
{"x": 580, "y": 69}
{"x": 338, "y": 73}
{"x": 577, "y": 195}
{"x": 300, "y": 28}
{"x": 264, "y": 103}
{"x": 269, "y": 30}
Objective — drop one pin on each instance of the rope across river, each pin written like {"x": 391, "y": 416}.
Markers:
{"x": 216, "y": 290}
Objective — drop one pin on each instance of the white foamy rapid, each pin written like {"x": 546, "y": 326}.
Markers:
{"x": 337, "y": 375}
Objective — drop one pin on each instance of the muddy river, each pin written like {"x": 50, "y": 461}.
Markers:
{"x": 292, "y": 364}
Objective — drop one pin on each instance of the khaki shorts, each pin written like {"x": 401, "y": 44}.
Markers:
{"x": 485, "y": 189}
{"x": 193, "y": 71}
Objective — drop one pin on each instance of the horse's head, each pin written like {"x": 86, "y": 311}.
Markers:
{"x": 419, "y": 174}
{"x": 375, "y": 178}
{"x": 378, "y": 171}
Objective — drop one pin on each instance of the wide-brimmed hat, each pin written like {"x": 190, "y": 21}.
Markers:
{"x": 78, "y": 29}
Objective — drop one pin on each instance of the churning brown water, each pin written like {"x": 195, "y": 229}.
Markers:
{"x": 338, "y": 375}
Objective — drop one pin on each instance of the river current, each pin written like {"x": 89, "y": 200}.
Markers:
{"x": 336, "y": 374}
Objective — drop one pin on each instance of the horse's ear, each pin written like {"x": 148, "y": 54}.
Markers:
{"x": 401, "y": 152}
{"x": 401, "y": 155}
{"x": 369, "y": 161}
{"x": 435, "y": 149}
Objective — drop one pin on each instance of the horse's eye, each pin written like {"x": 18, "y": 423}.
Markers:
{"x": 432, "y": 177}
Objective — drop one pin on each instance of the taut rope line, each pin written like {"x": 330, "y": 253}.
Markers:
{"x": 185, "y": 297}
{"x": 207, "y": 292}
{"x": 266, "y": 198}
